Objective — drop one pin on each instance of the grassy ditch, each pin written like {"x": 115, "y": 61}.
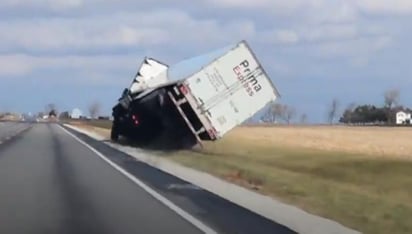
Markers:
{"x": 373, "y": 195}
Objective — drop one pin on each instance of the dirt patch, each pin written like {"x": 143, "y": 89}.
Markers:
{"x": 104, "y": 132}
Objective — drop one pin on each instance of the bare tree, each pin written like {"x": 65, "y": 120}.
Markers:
{"x": 303, "y": 118}
{"x": 267, "y": 116}
{"x": 275, "y": 112}
{"x": 290, "y": 113}
{"x": 94, "y": 110}
{"x": 351, "y": 106}
{"x": 392, "y": 98}
{"x": 333, "y": 110}
{"x": 347, "y": 115}
{"x": 278, "y": 111}
{"x": 51, "y": 109}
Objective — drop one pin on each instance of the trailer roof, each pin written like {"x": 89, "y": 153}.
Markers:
{"x": 190, "y": 66}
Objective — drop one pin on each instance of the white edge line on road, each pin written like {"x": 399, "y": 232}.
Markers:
{"x": 195, "y": 222}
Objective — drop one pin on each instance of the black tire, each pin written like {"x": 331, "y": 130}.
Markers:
{"x": 114, "y": 135}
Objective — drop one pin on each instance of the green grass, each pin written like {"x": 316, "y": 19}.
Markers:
{"x": 368, "y": 194}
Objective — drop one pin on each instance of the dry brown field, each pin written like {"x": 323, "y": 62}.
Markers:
{"x": 393, "y": 142}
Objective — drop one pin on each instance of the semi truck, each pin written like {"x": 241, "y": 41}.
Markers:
{"x": 199, "y": 99}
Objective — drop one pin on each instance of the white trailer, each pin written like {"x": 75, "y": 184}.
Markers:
{"x": 227, "y": 91}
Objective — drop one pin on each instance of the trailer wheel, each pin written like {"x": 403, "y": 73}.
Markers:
{"x": 114, "y": 135}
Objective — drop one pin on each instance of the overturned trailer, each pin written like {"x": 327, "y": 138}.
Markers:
{"x": 198, "y": 99}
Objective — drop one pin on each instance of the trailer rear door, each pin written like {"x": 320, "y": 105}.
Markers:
{"x": 231, "y": 89}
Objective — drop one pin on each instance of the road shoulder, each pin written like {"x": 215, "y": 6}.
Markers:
{"x": 14, "y": 134}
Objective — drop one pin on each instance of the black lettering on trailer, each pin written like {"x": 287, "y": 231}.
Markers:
{"x": 243, "y": 79}
{"x": 245, "y": 64}
{"x": 248, "y": 77}
{"x": 253, "y": 80}
{"x": 255, "y": 84}
{"x": 257, "y": 88}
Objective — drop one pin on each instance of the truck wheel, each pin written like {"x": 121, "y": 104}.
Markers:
{"x": 114, "y": 135}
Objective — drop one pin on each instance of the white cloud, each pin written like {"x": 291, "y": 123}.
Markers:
{"x": 337, "y": 9}
{"x": 339, "y": 41}
{"x": 334, "y": 12}
{"x": 282, "y": 37}
{"x": 287, "y": 37}
{"x": 333, "y": 35}
{"x": 342, "y": 9}
{"x": 334, "y": 28}
{"x": 359, "y": 50}
{"x": 384, "y": 6}
{"x": 360, "y": 61}
{"x": 150, "y": 30}
{"x": 23, "y": 65}
{"x": 242, "y": 3}
{"x": 51, "y": 4}
{"x": 64, "y": 4}
{"x": 14, "y": 66}
{"x": 83, "y": 33}
{"x": 330, "y": 32}
{"x": 271, "y": 5}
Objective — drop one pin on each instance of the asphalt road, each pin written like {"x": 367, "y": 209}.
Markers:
{"x": 51, "y": 183}
{"x": 8, "y": 129}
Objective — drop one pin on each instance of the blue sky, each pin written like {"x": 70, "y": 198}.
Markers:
{"x": 75, "y": 52}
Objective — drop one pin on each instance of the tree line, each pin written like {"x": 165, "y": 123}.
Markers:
{"x": 282, "y": 113}
{"x": 352, "y": 114}
{"x": 372, "y": 114}
{"x": 51, "y": 109}
{"x": 278, "y": 113}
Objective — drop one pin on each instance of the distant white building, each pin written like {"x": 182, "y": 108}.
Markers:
{"x": 76, "y": 113}
{"x": 403, "y": 118}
